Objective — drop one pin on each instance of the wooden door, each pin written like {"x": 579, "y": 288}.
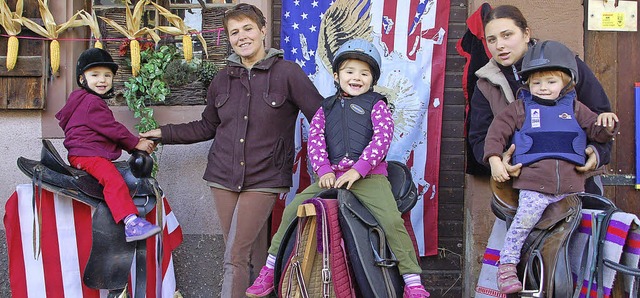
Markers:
{"x": 615, "y": 59}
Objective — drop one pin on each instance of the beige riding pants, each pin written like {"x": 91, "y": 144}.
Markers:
{"x": 243, "y": 216}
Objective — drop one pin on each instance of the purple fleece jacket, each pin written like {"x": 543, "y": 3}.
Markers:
{"x": 90, "y": 128}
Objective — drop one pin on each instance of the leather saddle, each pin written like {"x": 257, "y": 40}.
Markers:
{"x": 544, "y": 261}
{"x": 372, "y": 263}
{"x": 111, "y": 256}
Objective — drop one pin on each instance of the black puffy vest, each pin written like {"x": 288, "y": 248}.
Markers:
{"x": 348, "y": 128}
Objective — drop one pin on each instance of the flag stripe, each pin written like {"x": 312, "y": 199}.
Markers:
{"x": 33, "y": 268}
{"x": 84, "y": 237}
{"x": 51, "y": 255}
{"x": 16, "y": 261}
{"x": 68, "y": 254}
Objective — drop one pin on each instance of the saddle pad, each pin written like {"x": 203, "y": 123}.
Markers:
{"x": 340, "y": 278}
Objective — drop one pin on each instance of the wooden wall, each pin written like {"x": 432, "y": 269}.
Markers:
{"x": 614, "y": 57}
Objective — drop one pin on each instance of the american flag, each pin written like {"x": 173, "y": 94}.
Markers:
{"x": 409, "y": 35}
{"x": 66, "y": 245}
{"x": 300, "y": 26}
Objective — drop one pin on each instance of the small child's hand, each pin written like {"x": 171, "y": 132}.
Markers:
{"x": 607, "y": 120}
{"x": 498, "y": 170}
{"x": 349, "y": 178}
{"x": 145, "y": 145}
{"x": 327, "y": 180}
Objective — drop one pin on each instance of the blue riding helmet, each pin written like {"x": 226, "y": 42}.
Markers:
{"x": 362, "y": 50}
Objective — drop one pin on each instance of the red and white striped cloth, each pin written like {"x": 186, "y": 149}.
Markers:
{"x": 66, "y": 245}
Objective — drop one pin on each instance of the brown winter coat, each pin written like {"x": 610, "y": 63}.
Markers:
{"x": 251, "y": 115}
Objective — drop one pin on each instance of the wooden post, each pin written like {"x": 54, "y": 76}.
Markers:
{"x": 308, "y": 210}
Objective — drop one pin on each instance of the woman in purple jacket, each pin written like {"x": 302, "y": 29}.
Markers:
{"x": 94, "y": 138}
{"x": 251, "y": 112}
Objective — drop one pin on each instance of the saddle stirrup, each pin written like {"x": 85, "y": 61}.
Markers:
{"x": 535, "y": 255}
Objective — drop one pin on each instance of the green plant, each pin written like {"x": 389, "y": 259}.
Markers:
{"x": 208, "y": 70}
{"x": 149, "y": 87}
{"x": 180, "y": 72}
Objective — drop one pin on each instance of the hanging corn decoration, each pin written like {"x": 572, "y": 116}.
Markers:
{"x": 12, "y": 52}
{"x": 11, "y": 23}
{"x": 134, "y": 47}
{"x": 54, "y": 54}
{"x": 187, "y": 47}
{"x": 92, "y": 22}
{"x": 180, "y": 28}
{"x": 133, "y": 31}
{"x": 51, "y": 31}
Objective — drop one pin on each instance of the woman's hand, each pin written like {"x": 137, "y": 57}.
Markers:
{"x": 498, "y": 170}
{"x": 514, "y": 171}
{"x": 591, "y": 163}
{"x": 154, "y": 133}
{"x": 608, "y": 120}
{"x": 349, "y": 178}
{"x": 327, "y": 180}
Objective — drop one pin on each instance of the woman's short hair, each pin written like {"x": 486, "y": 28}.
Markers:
{"x": 506, "y": 12}
{"x": 244, "y": 10}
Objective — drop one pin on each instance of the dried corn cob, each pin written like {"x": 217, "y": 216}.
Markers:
{"x": 10, "y": 21}
{"x": 187, "y": 47}
{"x": 134, "y": 46}
{"x": 133, "y": 31}
{"x": 180, "y": 28}
{"x": 54, "y": 54}
{"x": 51, "y": 30}
{"x": 12, "y": 52}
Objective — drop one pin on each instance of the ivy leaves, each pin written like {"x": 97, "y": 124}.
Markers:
{"x": 149, "y": 87}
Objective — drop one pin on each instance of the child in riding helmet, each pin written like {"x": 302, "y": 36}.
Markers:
{"x": 94, "y": 139}
{"x": 357, "y": 163}
{"x": 549, "y": 129}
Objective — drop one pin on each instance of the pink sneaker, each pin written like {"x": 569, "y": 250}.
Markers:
{"x": 415, "y": 291}
{"x": 508, "y": 281}
{"x": 263, "y": 285}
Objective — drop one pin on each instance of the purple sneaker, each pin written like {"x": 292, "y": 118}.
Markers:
{"x": 139, "y": 229}
{"x": 263, "y": 285}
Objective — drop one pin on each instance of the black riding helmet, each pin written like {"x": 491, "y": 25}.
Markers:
{"x": 362, "y": 50}
{"x": 549, "y": 55}
{"x": 94, "y": 57}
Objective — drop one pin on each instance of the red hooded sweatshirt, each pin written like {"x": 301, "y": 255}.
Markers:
{"x": 90, "y": 128}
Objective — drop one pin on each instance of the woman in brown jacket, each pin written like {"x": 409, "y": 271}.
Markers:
{"x": 251, "y": 112}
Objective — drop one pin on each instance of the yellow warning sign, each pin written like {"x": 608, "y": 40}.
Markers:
{"x": 607, "y": 16}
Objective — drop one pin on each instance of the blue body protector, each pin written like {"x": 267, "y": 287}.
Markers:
{"x": 550, "y": 132}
